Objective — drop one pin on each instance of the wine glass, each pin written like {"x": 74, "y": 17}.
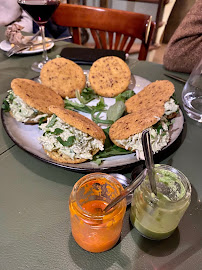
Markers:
{"x": 40, "y": 11}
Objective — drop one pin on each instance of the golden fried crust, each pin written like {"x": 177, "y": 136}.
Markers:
{"x": 66, "y": 159}
{"x": 63, "y": 76}
{"x": 79, "y": 121}
{"x": 153, "y": 95}
{"x": 35, "y": 95}
{"x": 134, "y": 123}
{"x": 109, "y": 76}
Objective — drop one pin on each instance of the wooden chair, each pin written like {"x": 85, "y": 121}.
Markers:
{"x": 110, "y": 28}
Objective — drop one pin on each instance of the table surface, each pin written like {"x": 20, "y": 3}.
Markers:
{"x": 35, "y": 230}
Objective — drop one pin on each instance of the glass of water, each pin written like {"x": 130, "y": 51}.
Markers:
{"x": 192, "y": 94}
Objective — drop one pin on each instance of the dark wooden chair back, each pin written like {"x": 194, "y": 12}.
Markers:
{"x": 110, "y": 28}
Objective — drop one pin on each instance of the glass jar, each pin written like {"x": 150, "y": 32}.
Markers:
{"x": 156, "y": 217}
{"x": 93, "y": 229}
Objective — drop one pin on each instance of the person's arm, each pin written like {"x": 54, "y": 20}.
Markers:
{"x": 184, "y": 49}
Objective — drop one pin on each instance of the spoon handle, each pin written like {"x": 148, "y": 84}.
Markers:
{"x": 149, "y": 159}
{"x": 138, "y": 180}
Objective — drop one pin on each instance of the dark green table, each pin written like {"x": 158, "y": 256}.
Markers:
{"x": 35, "y": 228}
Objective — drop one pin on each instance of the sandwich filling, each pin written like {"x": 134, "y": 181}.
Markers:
{"x": 67, "y": 140}
{"x": 21, "y": 111}
{"x": 159, "y": 133}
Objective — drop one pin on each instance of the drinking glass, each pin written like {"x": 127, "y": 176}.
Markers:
{"x": 40, "y": 11}
{"x": 192, "y": 94}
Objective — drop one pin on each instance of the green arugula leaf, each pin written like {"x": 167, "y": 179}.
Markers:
{"x": 97, "y": 119}
{"x": 110, "y": 150}
{"x": 52, "y": 121}
{"x": 5, "y": 106}
{"x": 76, "y": 106}
{"x": 69, "y": 142}
{"x": 100, "y": 107}
{"x": 86, "y": 95}
{"x": 125, "y": 95}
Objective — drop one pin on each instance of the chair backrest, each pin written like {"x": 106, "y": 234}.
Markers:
{"x": 110, "y": 28}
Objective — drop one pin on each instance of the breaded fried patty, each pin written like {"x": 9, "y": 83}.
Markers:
{"x": 153, "y": 95}
{"x": 63, "y": 76}
{"x": 109, "y": 76}
{"x": 134, "y": 123}
{"x": 36, "y": 95}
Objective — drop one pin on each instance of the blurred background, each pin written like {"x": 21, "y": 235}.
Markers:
{"x": 166, "y": 13}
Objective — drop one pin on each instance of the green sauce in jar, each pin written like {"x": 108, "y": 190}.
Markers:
{"x": 156, "y": 217}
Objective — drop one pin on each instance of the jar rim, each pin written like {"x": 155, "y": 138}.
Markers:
{"x": 184, "y": 180}
{"x": 89, "y": 177}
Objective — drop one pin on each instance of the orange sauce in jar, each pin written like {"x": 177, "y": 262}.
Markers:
{"x": 94, "y": 207}
{"x": 92, "y": 228}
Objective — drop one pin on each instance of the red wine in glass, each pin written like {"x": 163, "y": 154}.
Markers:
{"x": 40, "y": 11}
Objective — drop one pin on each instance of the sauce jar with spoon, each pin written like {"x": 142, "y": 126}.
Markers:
{"x": 93, "y": 229}
{"x": 157, "y": 216}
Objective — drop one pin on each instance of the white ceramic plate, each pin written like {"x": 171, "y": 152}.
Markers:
{"x": 25, "y": 136}
{"x": 6, "y": 46}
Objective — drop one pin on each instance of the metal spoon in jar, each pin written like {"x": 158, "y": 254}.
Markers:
{"x": 125, "y": 181}
{"x": 134, "y": 184}
{"x": 149, "y": 159}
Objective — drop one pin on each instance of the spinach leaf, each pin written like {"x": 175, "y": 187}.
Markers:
{"x": 116, "y": 111}
{"x": 69, "y": 142}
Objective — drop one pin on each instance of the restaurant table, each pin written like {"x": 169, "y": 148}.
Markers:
{"x": 35, "y": 231}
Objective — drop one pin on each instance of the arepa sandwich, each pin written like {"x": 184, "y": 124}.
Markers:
{"x": 70, "y": 137}
{"x": 150, "y": 114}
{"x": 28, "y": 101}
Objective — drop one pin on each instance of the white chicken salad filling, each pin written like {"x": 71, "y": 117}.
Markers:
{"x": 65, "y": 139}
{"x": 21, "y": 111}
{"x": 159, "y": 133}
{"x": 170, "y": 106}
